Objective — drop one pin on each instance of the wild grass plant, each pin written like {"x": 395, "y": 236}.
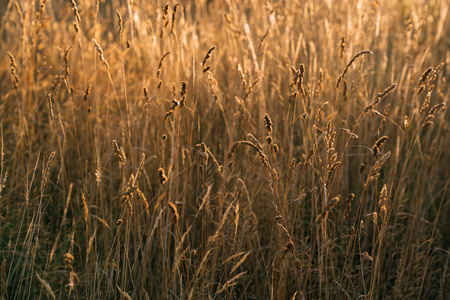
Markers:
{"x": 224, "y": 149}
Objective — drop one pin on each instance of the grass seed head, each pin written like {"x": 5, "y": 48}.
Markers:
{"x": 206, "y": 68}
{"x": 162, "y": 176}
{"x": 344, "y": 72}
{"x": 423, "y": 79}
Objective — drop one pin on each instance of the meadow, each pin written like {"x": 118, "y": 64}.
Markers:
{"x": 224, "y": 149}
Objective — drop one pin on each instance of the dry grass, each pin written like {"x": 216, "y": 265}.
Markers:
{"x": 224, "y": 149}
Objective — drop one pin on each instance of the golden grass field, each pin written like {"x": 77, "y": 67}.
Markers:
{"x": 225, "y": 149}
